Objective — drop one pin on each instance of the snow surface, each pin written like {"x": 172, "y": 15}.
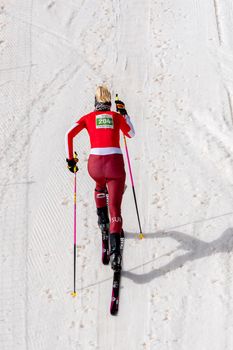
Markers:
{"x": 172, "y": 63}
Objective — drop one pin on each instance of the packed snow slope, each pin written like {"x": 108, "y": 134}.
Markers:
{"x": 172, "y": 64}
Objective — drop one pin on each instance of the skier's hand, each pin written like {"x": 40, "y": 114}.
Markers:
{"x": 120, "y": 107}
{"x": 72, "y": 164}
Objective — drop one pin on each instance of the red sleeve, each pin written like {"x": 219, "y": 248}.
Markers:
{"x": 126, "y": 126}
{"x": 71, "y": 133}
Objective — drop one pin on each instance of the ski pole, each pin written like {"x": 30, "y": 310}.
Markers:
{"x": 74, "y": 293}
{"x": 141, "y": 236}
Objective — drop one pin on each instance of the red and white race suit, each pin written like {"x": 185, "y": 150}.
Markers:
{"x": 105, "y": 163}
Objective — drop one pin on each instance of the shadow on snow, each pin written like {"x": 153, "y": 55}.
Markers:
{"x": 196, "y": 249}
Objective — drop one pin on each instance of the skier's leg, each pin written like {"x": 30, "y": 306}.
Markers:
{"x": 101, "y": 205}
{"x": 115, "y": 175}
{"x": 103, "y": 220}
{"x": 100, "y": 195}
{"x": 116, "y": 189}
{"x": 95, "y": 169}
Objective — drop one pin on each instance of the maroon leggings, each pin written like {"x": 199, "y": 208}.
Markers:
{"x": 108, "y": 171}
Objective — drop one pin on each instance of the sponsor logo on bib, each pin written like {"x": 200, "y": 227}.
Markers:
{"x": 104, "y": 121}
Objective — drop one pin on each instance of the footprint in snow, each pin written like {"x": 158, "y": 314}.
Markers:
{"x": 65, "y": 201}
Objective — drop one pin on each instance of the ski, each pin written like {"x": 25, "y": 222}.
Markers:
{"x": 115, "y": 293}
{"x": 114, "y": 306}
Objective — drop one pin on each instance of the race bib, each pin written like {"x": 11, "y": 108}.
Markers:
{"x": 104, "y": 121}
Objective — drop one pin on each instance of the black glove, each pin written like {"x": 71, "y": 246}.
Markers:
{"x": 120, "y": 107}
{"x": 72, "y": 165}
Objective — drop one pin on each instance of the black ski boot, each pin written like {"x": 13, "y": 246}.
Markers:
{"x": 103, "y": 222}
{"x": 103, "y": 219}
{"x": 115, "y": 252}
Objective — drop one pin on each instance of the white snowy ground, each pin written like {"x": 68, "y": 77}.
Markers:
{"x": 172, "y": 63}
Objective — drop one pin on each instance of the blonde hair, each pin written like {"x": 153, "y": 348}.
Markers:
{"x": 102, "y": 94}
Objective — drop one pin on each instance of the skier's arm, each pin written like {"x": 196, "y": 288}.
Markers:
{"x": 126, "y": 126}
{"x": 71, "y": 133}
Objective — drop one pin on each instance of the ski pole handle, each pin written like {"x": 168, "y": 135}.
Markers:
{"x": 77, "y": 160}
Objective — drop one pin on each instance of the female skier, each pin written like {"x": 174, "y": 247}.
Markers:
{"x": 105, "y": 164}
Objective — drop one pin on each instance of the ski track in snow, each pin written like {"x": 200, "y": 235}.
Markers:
{"x": 171, "y": 61}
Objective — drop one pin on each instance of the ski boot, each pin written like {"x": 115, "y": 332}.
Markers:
{"x": 103, "y": 223}
{"x": 116, "y": 251}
